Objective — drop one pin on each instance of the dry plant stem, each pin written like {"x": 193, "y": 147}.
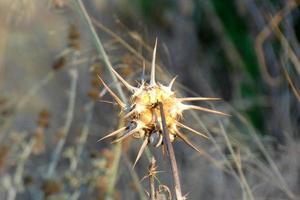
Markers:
{"x": 113, "y": 174}
{"x": 70, "y": 115}
{"x": 100, "y": 49}
{"x": 262, "y": 37}
{"x": 151, "y": 181}
{"x": 293, "y": 58}
{"x": 125, "y": 44}
{"x": 135, "y": 177}
{"x": 215, "y": 143}
{"x": 170, "y": 150}
{"x": 268, "y": 157}
{"x": 152, "y": 188}
{"x": 85, "y": 131}
{"x": 237, "y": 162}
{"x": 8, "y": 185}
{"x": 16, "y": 183}
{"x": 102, "y": 53}
{"x": 261, "y": 170}
{"x": 229, "y": 48}
{"x": 275, "y": 169}
{"x": 291, "y": 54}
{"x": 21, "y": 163}
{"x": 3, "y": 41}
{"x": 118, "y": 147}
{"x": 119, "y": 39}
{"x": 21, "y": 102}
{"x": 294, "y": 89}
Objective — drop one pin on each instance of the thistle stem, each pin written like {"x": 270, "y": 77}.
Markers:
{"x": 100, "y": 48}
{"x": 151, "y": 180}
{"x": 103, "y": 55}
{"x": 170, "y": 150}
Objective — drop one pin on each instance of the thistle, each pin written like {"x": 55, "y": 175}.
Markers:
{"x": 142, "y": 115}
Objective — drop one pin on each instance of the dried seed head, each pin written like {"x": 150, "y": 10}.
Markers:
{"x": 93, "y": 93}
{"x": 43, "y": 118}
{"x": 143, "y": 115}
{"x": 59, "y": 63}
{"x": 145, "y": 108}
{"x": 74, "y": 37}
{"x": 51, "y": 187}
{"x": 39, "y": 141}
{"x": 4, "y": 152}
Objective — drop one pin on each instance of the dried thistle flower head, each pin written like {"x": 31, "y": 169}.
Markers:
{"x": 143, "y": 115}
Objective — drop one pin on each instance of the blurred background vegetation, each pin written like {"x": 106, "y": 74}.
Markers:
{"x": 244, "y": 51}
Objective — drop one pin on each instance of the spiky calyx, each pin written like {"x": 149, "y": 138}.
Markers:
{"x": 143, "y": 116}
{"x": 144, "y": 110}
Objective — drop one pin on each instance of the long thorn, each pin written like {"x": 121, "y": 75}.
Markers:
{"x": 109, "y": 102}
{"x": 172, "y": 83}
{"x": 113, "y": 133}
{"x": 126, "y": 135}
{"x": 129, "y": 113}
{"x": 142, "y": 149}
{"x": 125, "y": 83}
{"x": 187, "y": 107}
{"x": 143, "y": 72}
{"x": 116, "y": 98}
{"x": 192, "y": 130}
{"x": 199, "y": 150}
{"x": 152, "y": 80}
{"x": 199, "y": 99}
{"x": 188, "y": 142}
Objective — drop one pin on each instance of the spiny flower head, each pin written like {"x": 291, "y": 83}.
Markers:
{"x": 143, "y": 117}
{"x": 144, "y": 110}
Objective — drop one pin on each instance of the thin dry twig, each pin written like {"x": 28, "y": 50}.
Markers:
{"x": 266, "y": 154}
{"x": 100, "y": 48}
{"x": 67, "y": 125}
{"x": 84, "y": 135}
{"x": 135, "y": 177}
{"x": 292, "y": 56}
{"x": 103, "y": 55}
{"x": 151, "y": 178}
{"x": 294, "y": 89}
{"x": 126, "y": 45}
{"x": 261, "y": 38}
{"x": 21, "y": 163}
{"x": 113, "y": 173}
{"x": 228, "y": 46}
{"x": 245, "y": 185}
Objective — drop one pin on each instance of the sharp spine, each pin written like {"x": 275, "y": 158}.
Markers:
{"x": 142, "y": 149}
{"x": 116, "y": 98}
{"x": 113, "y": 133}
{"x": 152, "y": 80}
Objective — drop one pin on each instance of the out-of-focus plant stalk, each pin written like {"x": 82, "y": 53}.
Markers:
{"x": 103, "y": 55}
{"x": 66, "y": 128}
